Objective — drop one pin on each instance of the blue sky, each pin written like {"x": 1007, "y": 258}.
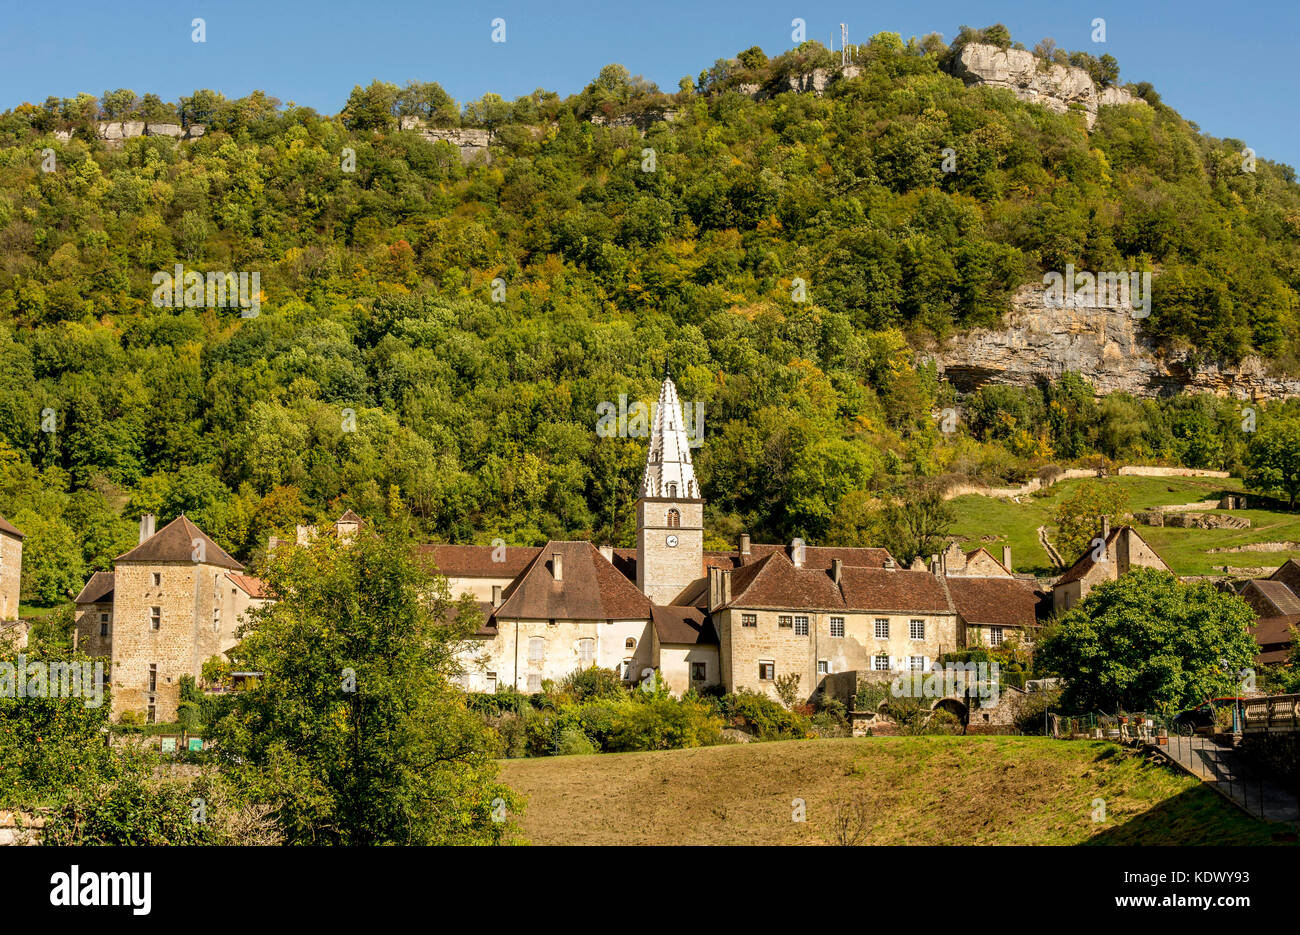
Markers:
{"x": 1228, "y": 67}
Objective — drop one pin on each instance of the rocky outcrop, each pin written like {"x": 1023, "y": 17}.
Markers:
{"x": 642, "y": 121}
{"x": 1041, "y": 341}
{"x": 115, "y": 133}
{"x": 1060, "y": 88}
{"x": 472, "y": 143}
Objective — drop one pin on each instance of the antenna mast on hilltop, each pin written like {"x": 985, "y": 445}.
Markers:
{"x": 844, "y": 44}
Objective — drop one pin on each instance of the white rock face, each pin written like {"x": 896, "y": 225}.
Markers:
{"x": 1105, "y": 345}
{"x": 1056, "y": 87}
{"x": 63, "y": 136}
{"x": 164, "y": 129}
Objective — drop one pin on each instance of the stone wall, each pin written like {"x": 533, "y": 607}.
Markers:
{"x": 20, "y": 828}
{"x": 11, "y": 566}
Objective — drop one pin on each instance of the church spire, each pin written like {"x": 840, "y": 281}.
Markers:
{"x": 668, "y": 469}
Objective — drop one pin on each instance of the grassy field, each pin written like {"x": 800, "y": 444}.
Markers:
{"x": 994, "y": 523}
{"x": 913, "y": 790}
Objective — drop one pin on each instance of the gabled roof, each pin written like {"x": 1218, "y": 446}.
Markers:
{"x": 98, "y": 590}
{"x": 489, "y": 625}
{"x": 683, "y": 625}
{"x": 1288, "y": 574}
{"x": 476, "y": 561}
{"x": 999, "y": 602}
{"x": 591, "y": 589}
{"x": 1086, "y": 563}
{"x": 1270, "y": 598}
{"x": 175, "y": 543}
{"x": 898, "y": 590}
{"x": 814, "y": 556}
{"x": 970, "y": 557}
{"x": 11, "y": 529}
{"x": 253, "y": 587}
{"x": 350, "y": 517}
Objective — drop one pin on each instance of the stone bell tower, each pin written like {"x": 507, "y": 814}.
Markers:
{"x": 670, "y": 511}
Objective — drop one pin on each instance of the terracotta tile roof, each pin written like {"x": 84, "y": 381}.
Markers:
{"x": 1270, "y": 598}
{"x": 253, "y": 587}
{"x": 773, "y": 582}
{"x": 99, "y": 589}
{"x": 475, "y": 561}
{"x": 815, "y": 556}
{"x": 6, "y": 526}
{"x": 1275, "y": 631}
{"x": 689, "y": 625}
{"x": 591, "y": 589}
{"x": 1000, "y": 602}
{"x": 174, "y": 543}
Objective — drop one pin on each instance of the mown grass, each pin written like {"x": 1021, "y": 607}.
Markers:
{"x": 994, "y": 523}
{"x": 911, "y": 790}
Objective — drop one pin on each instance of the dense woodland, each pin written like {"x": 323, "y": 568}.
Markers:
{"x": 475, "y": 418}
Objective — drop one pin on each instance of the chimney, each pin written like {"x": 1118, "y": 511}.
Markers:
{"x": 496, "y": 595}
{"x": 744, "y": 547}
{"x": 890, "y": 564}
{"x": 1006, "y": 556}
{"x": 557, "y": 565}
{"x": 719, "y": 588}
{"x": 607, "y": 553}
{"x": 796, "y": 552}
{"x": 837, "y": 569}
{"x": 918, "y": 564}
{"x": 934, "y": 563}
{"x": 146, "y": 526}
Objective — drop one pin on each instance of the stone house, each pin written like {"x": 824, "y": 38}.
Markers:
{"x": 1276, "y": 603}
{"x": 1122, "y": 548}
{"x": 11, "y": 569}
{"x": 170, "y": 604}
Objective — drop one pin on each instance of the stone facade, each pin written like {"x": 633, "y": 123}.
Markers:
{"x": 1124, "y": 549}
{"x": 11, "y": 569}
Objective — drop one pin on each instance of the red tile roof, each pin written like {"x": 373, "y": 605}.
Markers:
{"x": 175, "y": 543}
{"x": 591, "y": 589}
{"x": 1000, "y": 602}
{"x": 253, "y": 587}
{"x": 773, "y": 582}
{"x": 476, "y": 561}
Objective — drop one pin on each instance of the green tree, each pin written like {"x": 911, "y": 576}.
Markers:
{"x": 917, "y": 525}
{"x": 1148, "y": 642}
{"x": 1078, "y": 518}
{"x": 1273, "y": 457}
{"x": 355, "y": 733}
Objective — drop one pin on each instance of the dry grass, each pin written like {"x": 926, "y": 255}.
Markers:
{"x": 899, "y": 790}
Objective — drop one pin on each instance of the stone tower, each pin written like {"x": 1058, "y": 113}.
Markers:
{"x": 670, "y": 511}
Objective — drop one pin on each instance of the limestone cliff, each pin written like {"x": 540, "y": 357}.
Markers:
{"x": 1105, "y": 345}
{"x": 1057, "y": 87}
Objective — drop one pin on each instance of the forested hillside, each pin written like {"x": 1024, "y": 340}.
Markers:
{"x": 613, "y": 250}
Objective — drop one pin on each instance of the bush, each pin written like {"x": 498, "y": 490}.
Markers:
{"x": 574, "y": 742}
{"x": 594, "y": 682}
{"x": 760, "y": 716}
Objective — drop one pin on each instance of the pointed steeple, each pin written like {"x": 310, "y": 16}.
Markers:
{"x": 668, "y": 469}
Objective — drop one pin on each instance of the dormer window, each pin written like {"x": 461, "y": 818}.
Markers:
{"x": 674, "y": 519}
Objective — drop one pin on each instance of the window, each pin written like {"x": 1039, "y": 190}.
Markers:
{"x": 749, "y": 620}
{"x": 627, "y": 670}
{"x": 882, "y": 628}
{"x": 491, "y": 678}
{"x": 917, "y": 629}
{"x": 536, "y": 649}
{"x": 216, "y": 619}
{"x": 157, "y": 579}
{"x": 152, "y": 714}
{"x": 766, "y": 671}
{"x": 995, "y": 636}
{"x": 880, "y": 663}
{"x": 674, "y": 519}
{"x": 534, "y": 681}
{"x": 153, "y": 676}
{"x": 103, "y": 625}
{"x": 837, "y": 626}
{"x": 698, "y": 672}
{"x": 672, "y": 490}
{"x": 786, "y": 622}
{"x": 916, "y": 663}
{"x": 629, "y": 643}
{"x": 155, "y": 618}
{"x": 586, "y": 652}
{"x": 800, "y": 626}
{"x": 823, "y": 667}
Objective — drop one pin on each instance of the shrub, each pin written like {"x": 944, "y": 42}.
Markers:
{"x": 594, "y": 682}
{"x": 759, "y": 715}
{"x": 574, "y": 742}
